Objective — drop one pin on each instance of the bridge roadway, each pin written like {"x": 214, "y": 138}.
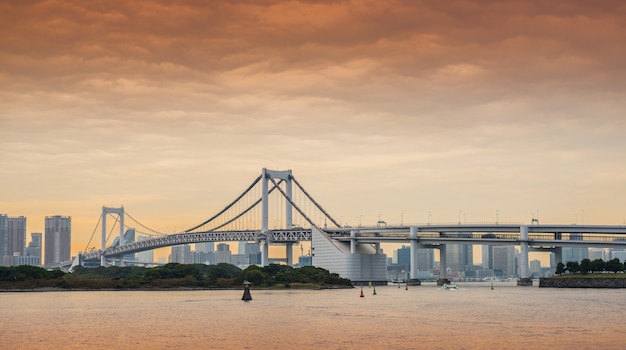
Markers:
{"x": 539, "y": 236}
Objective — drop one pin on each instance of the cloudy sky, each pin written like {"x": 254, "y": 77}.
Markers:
{"x": 388, "y": 109}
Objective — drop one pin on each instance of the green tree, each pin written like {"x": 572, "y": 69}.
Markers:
{"x": 560, "y": 268}
{"x": 585, "y": 266}
{"x": 598, "y": 265}
{"x": 614, "y": 265}
{"x": 573, "y": 266}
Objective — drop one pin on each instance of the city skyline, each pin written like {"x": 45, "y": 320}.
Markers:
{"x": 402, "y": 111}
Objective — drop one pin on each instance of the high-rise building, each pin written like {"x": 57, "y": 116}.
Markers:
{"x": 222, "y": 255}
{"x": 181, "y": 254}
{"x": 145, "y": 256}
{"x": 535, "y": 267}
{"x": 503, "y": 260}
{"x": 208, "y": 247}
{"x": 253, "y": 252}
{"x": 17, "y": 236}
{"x": 4, "y": 236}
{"x": 34, "y": 247}
{"x": 459, "y": 257}
{"x": 58, "y": 240}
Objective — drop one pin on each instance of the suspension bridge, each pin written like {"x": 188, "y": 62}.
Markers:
{"x": 353, "y": 252}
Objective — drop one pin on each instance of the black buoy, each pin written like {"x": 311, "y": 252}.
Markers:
{"x": 246, "y": 291}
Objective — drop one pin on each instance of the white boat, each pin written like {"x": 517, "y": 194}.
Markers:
{"x": 448, "y": 286}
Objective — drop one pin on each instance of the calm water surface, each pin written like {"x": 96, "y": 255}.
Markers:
{"x": 423, "y": 317}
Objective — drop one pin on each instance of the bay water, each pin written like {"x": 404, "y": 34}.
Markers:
{"x": 422, "y": 317}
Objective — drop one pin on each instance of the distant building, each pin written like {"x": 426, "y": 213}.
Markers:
{"x": 34, "y": 248}
{"x": 503, "y": 260}
{"x": 181, "y": 254}
{"x": 535, "y": 268}
{"x": 208, "y": 247}
{"x": 459, "y": 257}
{"x": 222, "y": 255}
{"x": 16, "y": 236}
{"x": 129, "y": 237}
{"x": 146, "y": 256}
{"x": 4, "y": 236}
{"x": 58, "y": 239}
{"x": 305, "y": 260}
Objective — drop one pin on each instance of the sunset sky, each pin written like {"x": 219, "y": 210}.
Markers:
{"x": 381, "y": 108}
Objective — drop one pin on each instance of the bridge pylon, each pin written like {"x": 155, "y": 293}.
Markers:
{"x": 266, "y": 176}
{"x": 120, "y": 212}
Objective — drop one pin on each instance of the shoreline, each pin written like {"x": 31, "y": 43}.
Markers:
{"x": 599, "y": 282}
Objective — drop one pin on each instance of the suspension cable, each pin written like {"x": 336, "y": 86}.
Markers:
{"x": 142, "y": 225}
{"x": 313, "y": 200}
{"x": 113, "y": 227}
{"x": 228, "y": 206}
{"x": 245, "y": 211}
{"x": 93, "y": 233}
{"x": 292, "y": 203}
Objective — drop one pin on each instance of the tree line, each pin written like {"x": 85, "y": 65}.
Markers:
{"x": 587, "y": 266}
{"x": 172, "y": 275}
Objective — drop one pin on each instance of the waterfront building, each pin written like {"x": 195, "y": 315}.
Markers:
{"x": 58, "y": 239}
{"x": 574, "y": 254}
{"x": 360, "y": 263}
{"x": 597, "y": 253}
{"x": 618, "y": 253}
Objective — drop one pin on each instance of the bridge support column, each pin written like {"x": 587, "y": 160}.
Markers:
{"x": 289, "y": 253}
{"x": 443, "y": 275}
{"x": 264, "y": 202}
{"x": 413, "y": 253}
{"x": 120, "y": 213}
{"x": 264, "y": 253}
{"x": 413, "y": 280}
{"x": 352, "y": 242}
{"x": 524, "y": 271}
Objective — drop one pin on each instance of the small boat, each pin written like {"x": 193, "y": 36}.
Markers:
{"x": 449, "y": 286}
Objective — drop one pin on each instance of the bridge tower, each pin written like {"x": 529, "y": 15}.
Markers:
{"x": 120, "y": 212}
{"x": 266, "y": 176}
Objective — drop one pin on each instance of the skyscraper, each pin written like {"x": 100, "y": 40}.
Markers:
{"x": 34, "y": 247}
{"x": 58, "y": 240}
{"x": 503, "y": 260}
{"x": 4, "y": 236}
{"x": 17, "y": 236}
{"x": 459, "y": 256}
